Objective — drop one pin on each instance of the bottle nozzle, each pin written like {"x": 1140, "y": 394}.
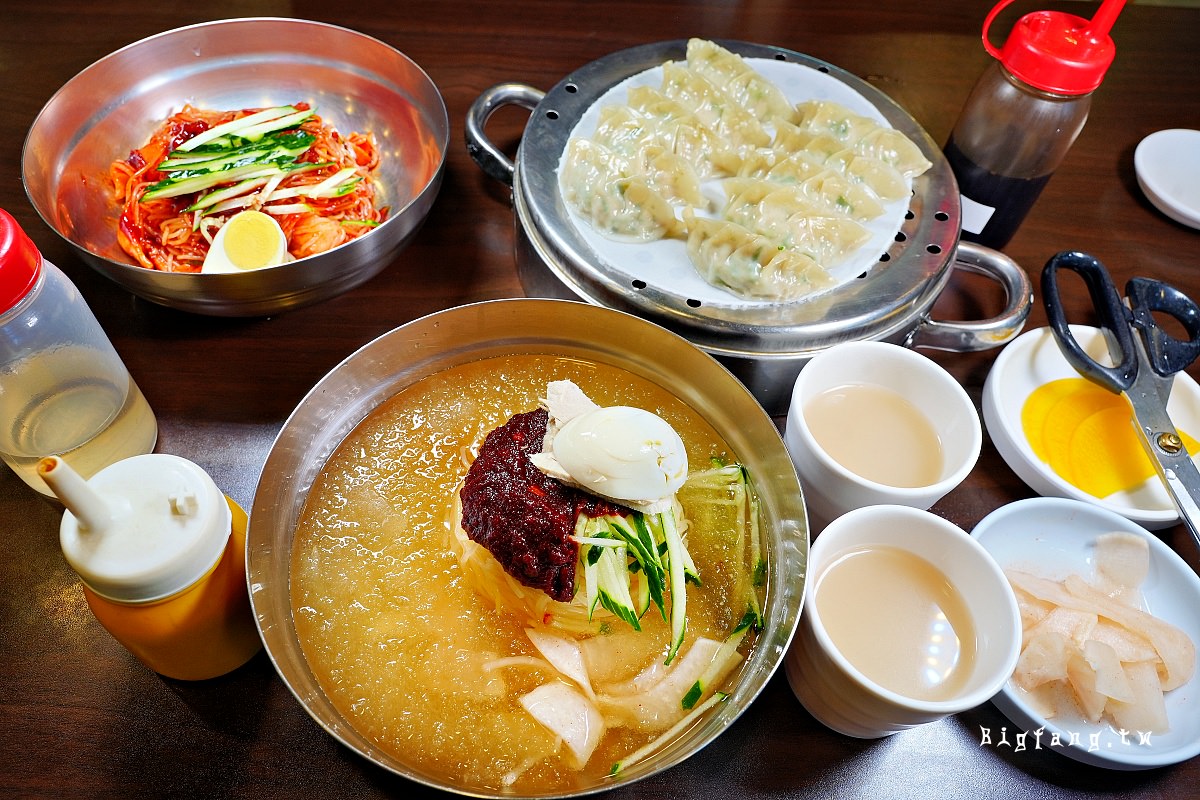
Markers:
{"x": 1055, "y": 51}
{"x": 80, "y": 499}
{"x": 1104, "y": 18}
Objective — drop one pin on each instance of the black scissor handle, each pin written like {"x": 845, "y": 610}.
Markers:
{"x": 1110, "y": 311}
{"x": 1167, "y": 354}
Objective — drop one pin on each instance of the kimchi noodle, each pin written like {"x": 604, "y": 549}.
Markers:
{"x": 168, "y": 234}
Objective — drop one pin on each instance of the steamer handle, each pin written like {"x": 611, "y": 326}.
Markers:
{"x": 488, "y": 156}
{"x": 961, "y": 337}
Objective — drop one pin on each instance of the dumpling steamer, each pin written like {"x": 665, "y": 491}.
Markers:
{"x": 764, "y": 344}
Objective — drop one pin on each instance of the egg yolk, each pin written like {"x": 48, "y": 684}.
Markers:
{"x": 1085, "y": 434}
{"x": 251, "y": 240}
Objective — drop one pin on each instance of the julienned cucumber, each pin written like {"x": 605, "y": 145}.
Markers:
{"x": 751, "y": 620}
{"x": 670, "y": 733}
{"x": 214, "y": 199}
{"x": 202, "y": 182}
{"x": 209, "y": 161}
{"x": 676, "y": 555}
{"x": 258, "y": 145}
{"x": 254, "y": 132}
{"x": 280, "y": 154}
{"x": 253, "y": 122}
{"x": 614, "y": 548}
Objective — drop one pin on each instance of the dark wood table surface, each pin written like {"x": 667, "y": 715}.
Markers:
{"x": 80, "y": 718}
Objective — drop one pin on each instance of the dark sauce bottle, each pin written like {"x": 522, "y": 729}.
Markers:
{"x": 1024, "y": 114}
{"x": 995, "y": 204}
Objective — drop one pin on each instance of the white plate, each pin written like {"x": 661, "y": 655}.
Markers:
{"x": 1054, "y": 537}
{"x": 1168, "y": 170}
{"x": 664, "y": 263}
{"x": 1033, "y": 359}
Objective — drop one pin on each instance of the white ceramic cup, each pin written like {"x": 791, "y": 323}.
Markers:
{"x": 830, "y": 489}
{"x": 835, "y": 691}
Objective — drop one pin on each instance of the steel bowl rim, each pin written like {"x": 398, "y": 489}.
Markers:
{"x": 128, "y": 275}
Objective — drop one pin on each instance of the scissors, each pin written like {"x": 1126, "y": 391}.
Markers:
{"x": 1145, "y": 359}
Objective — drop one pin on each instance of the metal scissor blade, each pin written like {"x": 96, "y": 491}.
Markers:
{"x": 1158, "y": 435}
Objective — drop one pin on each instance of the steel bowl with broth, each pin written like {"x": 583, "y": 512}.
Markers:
{"x": 460, "y": 338}
{"x": 355, "y": 82}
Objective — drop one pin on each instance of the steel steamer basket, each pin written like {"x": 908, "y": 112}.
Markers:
{"x": 764, "y": 344}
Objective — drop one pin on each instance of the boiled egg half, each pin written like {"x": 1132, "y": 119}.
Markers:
{"x": 248, "y": 240}
{"x": 629, "y": 455}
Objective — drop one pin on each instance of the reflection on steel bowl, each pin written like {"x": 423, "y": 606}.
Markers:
{"x": 356, "y": 82}
{"x": 293, "y": 523}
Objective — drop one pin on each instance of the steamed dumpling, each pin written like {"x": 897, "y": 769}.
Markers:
{"x": 727, "y": 254}
{"x": 797, "y": 167}
{"x": 715, "y": 109}
{"x": 832, "y": 119}
{"x": 882, "y": 178}
{"x": 893, "y": 147}
{"x": 840, "y": 195}
{"x": 618, "y": 204}
{"x": 750, "y": 199}
{"x": 663, "y": 121}
{"x": 729, "y": 71}
{"x": 787, "y": 218}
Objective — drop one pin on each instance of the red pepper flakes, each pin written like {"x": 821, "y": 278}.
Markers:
{"x": 523, "y": 517}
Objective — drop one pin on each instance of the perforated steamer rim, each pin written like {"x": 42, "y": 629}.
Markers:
{"x": 890, "y": 296}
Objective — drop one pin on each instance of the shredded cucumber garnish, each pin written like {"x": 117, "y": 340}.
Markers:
{"x": 751, "y": 620}
{"x": 622, "y": 555}
{"x": 676, "y": 553}
{"x": 725, "y": 490}
{"x": 667, "y": 735}
{"x": 233, "y": 126}
{"x": 634, "y": 561}
{"x": 251, "y": 153}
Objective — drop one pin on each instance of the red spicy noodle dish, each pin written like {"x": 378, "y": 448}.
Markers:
{"x": 200, "y": 167}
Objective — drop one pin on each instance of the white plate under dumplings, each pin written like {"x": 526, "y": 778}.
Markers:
{"x": 664, "y": 263}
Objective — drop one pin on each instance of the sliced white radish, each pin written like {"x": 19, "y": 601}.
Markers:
{"x": 653, "y": 700}
{"x": 565, "y": 712}
{"x": 564, "y": 655}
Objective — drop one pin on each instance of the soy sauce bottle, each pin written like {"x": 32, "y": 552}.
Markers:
{"x": 1024, "y": 114}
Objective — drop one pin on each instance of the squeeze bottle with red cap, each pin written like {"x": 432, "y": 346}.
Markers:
{"x": 161, "y": 553}
{"x": 1024, "y": 114}
{"x": 63, "y": 388}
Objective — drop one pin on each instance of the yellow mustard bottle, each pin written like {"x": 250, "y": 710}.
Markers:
{"x": 161, "y": 555}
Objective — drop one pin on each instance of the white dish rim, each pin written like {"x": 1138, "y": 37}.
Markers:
{"x": 1019, "y": 526}
{"x": 1014, "y": 376}
{"x": 1154, "y": 150}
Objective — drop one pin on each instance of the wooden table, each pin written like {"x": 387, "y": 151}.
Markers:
{"x": 80, "y": 718}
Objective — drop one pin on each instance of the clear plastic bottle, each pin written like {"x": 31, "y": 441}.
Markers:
{"x": 63, "y": 388}
{"x": 162, "y": 556}
{"x": 1024, "y": 114}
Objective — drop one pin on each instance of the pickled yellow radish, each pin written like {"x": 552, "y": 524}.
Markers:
{"x": 1037, "y": 409}
{"x": 1086, "y": 435}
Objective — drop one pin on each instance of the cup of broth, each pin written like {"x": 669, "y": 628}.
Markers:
{"x": 907, "y": 619}
{"x": 876, "y": 423}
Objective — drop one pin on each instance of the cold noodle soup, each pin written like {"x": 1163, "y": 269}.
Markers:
{"x": 433, "y": 652}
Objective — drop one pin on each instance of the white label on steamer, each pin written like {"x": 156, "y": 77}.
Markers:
{"x": 975, "y": 215}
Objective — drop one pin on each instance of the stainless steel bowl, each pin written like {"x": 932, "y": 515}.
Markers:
{"x": 354, "y": 81}
{"x": 434, "y": 343}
